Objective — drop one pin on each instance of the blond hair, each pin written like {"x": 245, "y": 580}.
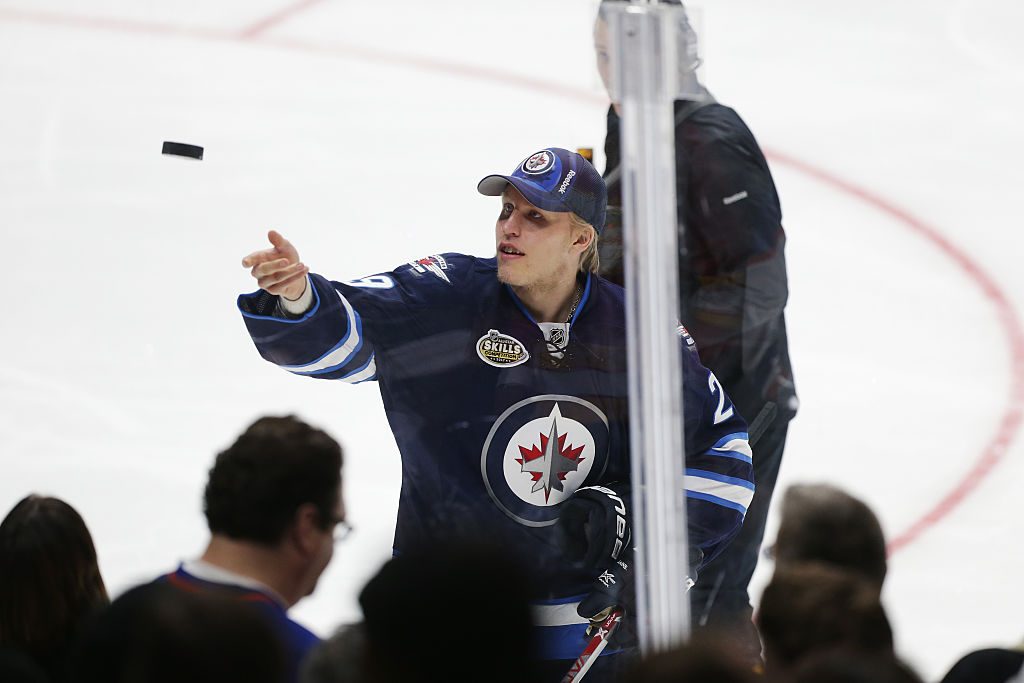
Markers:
{"x": 590, "y": 260}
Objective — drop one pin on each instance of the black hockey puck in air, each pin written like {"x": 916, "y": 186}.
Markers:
{"x": 180, "y": 149}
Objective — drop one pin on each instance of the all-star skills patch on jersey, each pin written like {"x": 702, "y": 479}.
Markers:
{"x": 499, "y": 419}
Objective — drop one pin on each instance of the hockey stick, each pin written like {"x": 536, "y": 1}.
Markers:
{"x": 764, "y": 418}
{"x": 598, "y": 642}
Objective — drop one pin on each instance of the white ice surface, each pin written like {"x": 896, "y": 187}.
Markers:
{"x": 360, "y": 129}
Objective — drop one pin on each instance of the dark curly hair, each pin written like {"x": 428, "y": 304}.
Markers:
{"x": 274, "y": 467}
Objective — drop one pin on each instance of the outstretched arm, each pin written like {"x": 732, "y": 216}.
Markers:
{"x": 302, "y": 323}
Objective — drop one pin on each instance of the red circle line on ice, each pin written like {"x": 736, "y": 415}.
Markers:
{"x": 258, "y": 33}
{"x": 997, "y": 446}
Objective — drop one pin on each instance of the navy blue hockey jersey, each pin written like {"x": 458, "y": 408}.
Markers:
{"x": 496, "y": 424}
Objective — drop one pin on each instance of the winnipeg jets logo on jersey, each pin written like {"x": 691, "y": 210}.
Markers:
{"x": 539, "y": 452}
{"x": 431, "y": 264}
{"x": 551, "y": 459}
{"x": 538, "y": 163}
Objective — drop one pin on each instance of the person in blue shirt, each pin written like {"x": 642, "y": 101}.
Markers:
{"x": 504, "y": 381}
{"x": 274, "y": 507}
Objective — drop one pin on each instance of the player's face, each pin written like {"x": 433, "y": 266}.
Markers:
{"x": 535, "y": 247}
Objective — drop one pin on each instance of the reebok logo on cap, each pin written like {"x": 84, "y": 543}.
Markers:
{"x": 565, "y": 183}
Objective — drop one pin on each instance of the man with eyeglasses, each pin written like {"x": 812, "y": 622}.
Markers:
{"x": 274, "y": 506}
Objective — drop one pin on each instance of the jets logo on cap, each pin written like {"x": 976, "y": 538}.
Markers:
{"x": 538, "y": 163}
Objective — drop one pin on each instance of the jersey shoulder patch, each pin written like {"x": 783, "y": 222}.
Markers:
{"x": 435, "y": 265}
{"x": 685, "y": 335}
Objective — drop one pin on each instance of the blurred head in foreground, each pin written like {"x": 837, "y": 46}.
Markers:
{"x": 49, "y": 578}
{"x": 157, "y": 634}
{"x": 811, "y": 608}
{"x": 822, "y": 523}
{"x": 701, "y": 660}
{"x": 449, "y": 614}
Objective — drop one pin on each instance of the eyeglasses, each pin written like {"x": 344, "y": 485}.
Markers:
{"x": 342, "y": 530}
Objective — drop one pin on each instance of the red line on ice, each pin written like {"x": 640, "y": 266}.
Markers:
{"x": 1010, "y": 421}
{"x": 279, "y": 17}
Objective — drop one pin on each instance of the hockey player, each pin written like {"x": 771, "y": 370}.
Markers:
{"x": 504, "y": 381}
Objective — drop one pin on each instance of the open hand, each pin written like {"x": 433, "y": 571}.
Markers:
{"x": 278, "y": 270}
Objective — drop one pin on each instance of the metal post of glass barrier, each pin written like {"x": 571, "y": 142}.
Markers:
{"x": 644, "y": 49}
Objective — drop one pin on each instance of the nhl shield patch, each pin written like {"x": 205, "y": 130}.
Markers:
{"x": 501, "y": 350}
{"x": 539, "y": 452}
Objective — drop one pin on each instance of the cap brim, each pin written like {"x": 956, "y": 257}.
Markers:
{"x": 494, "y": 185}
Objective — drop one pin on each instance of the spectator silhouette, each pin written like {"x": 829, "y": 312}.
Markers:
{"x": 701, "y": 660}
{"x": 275, "y": 509}
{"x": 810, "y": 608}
{"x": 18, "y": 667}
{"x": 847, "y": 667}
{"x": 991, "y": 665}
{"x": 822, "y": 523}
{"x": 157, "y": 634}
{"x": 342, "y": 658}
{"x": 50, "y": 580}
{"x": 456, "y": 613}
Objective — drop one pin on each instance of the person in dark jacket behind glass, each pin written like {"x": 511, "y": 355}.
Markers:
{"x": 733, "y": 291}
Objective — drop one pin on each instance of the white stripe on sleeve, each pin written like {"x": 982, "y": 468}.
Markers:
{"x": 738, "y": 495}
{"x": 342, "y": 352}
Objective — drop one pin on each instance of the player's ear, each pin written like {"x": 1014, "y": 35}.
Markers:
{"x": 584, "y": 237}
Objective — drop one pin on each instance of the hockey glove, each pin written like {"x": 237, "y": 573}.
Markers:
{"x": 595, "y": 533}
{"x": 594, "y": 527}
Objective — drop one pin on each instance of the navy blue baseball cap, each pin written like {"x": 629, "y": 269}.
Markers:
{"x": 555, "y": 179}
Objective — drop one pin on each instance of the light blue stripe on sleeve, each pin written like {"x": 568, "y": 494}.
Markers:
{"x": 725, "y": 479}
{"x": 731, "y": 437}
{"x": 733, "y": 446}
{"x": 290, "y": 321}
